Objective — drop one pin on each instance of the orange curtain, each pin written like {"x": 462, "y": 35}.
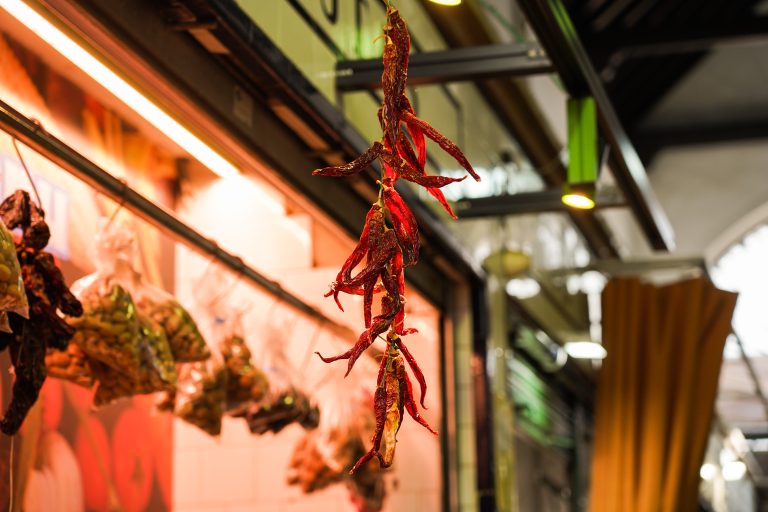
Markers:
{"x": 656, "y": 393}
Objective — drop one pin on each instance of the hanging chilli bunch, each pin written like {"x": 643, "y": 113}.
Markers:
{"x": 47, "y": 294}
{"x": 390, "y": 242}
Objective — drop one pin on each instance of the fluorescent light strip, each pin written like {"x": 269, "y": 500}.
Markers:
{"x": 119, "y": 87}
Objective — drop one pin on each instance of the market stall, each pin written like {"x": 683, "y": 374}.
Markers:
{"x": 189, "y": 378}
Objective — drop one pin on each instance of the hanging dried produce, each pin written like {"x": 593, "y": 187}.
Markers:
{"x": 108, "y": 331}
{"x": 186, "y": 341}
{"x": 71, "y": 364}
{"x": 201, "y": 395}
{"x": 390, "y": 241}
{"x": 156, "y": 372}
{"x": 245, "y": 382}
{"x": 47, "y": 295}
{"x": 280, "y": 410}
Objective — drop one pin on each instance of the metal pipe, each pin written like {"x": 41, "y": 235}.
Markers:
{"x": 33, "y": 135}
{"x": 454, "y": 65}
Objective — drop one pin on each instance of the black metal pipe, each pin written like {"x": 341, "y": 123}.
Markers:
{"x": 33, "y": 135}
{"x": 457, "y": 64}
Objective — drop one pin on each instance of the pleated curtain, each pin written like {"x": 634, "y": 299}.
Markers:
{"x": 656, "y": 393}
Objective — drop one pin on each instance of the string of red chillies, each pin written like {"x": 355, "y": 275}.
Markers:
{"x": 390, "y": 242}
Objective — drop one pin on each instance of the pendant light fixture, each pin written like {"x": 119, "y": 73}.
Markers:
{"x": 579, "y": 192}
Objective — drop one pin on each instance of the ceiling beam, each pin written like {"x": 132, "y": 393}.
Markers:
{"x": 550, "y": 21}
{"x": 681, "y": 39}
{"x": 651, "y": 141}
{"x": 545, "y": 201}
{"x": 454, "y": 65}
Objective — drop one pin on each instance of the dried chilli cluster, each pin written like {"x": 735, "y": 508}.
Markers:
{"x": 47, "y": 295}
{"x": 389, "y": 247}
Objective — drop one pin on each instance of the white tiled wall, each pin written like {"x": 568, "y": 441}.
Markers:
{"x": 239, "y": 471}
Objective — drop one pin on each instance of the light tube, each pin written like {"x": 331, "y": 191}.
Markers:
{"x": 126, "y": 93}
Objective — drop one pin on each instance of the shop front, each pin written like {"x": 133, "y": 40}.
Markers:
{"x": 169, "y": 174}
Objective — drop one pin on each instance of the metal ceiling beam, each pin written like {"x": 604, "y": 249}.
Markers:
{"x": 516, "y": 110}
{"x": 550, "y": 21}
{"x": 545, "y": 201}
{"x": 649, "y": 142}
{"x": 687, "y": 39}
{"x": 459, "y": 64}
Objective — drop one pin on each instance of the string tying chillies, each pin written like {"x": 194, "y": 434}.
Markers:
{"x": 390, "y": 242}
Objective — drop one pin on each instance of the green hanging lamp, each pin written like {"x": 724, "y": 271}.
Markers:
{"x": 579, "y": 192}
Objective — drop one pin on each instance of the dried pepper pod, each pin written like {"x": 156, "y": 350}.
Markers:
{"x": 404, "y": 224}
{"x": 444, "y": 142}
{"x": 48, "y": 298}
{"x": 354, "y": 167}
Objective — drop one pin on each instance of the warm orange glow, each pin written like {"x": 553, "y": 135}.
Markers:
{"x": 446, "y": 2}
{"x": 580, "y": 201}
{"x": 119, "y": 87}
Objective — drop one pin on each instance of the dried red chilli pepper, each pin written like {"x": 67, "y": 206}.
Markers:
{"x": 355, "y": 166}
{"x": 404, "y": 224}
{"x": 387, "y": 250}
{"x": 408, "y": 173}
{"x": 358, "y": 253}
{"x": 444, "y": 142}
{"x": 416, "y": 372}
{"x": 391, "y": 81}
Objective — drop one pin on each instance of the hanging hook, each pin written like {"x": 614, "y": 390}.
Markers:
{"x": 120, "y": 204}
{"x": 26, "y": 170}
{"x": 316, "y": 335}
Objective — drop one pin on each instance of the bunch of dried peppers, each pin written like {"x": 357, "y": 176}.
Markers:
{"x": 390, "y": 242}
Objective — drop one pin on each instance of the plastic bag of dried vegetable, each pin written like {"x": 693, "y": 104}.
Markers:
{"x": 325, "y": 455}
{"x": 187, "y": 344}
{"x": 285, "y": 403}
{"x": 108, "y": 331}
{"x": 201, "y": 394}
{"x": 71, "y": 364}
{"x": 246, "y": 383}
{"x": 12, "y": 296}
{"x": 157, "y": 370}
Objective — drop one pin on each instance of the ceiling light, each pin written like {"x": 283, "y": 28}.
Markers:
{"x": 446, "y": 2}
{"x": 126, "y": 93}
{"x": 579, "y": 191}
{"x": 578, "y": 200}
{"x": 523, "y": 288}
{"x": 707, "y": 471}
{"x": 585, "y": 350}
{"x": 734, "y": 470}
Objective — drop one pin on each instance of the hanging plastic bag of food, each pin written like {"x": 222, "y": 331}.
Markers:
{"x": 13, "y": 299}
{"x": 71, "y": 365}
{"x": 201, "y": 395}
{"x": 108, "y": 331}
{"x": 187, "y": 344}
{"x": 325, "y": 455}
{"x": 285, "y": 403}
{"x": 246, "y": 384}
{"x": 157, "y": 370}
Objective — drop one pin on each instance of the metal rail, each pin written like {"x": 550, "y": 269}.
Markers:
{"x": 454, "y": 65}
{"x": 33, "y": 135}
